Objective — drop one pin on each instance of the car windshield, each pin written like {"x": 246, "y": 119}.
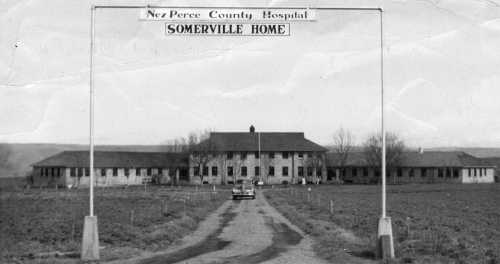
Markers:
{"x": 246, "y": 186}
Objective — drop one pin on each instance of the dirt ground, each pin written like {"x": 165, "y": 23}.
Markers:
{"x": 246, "y": 231}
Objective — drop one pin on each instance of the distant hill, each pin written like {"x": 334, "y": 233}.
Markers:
{"x": 478, "y": 152}
{"x": 16, "y": 159}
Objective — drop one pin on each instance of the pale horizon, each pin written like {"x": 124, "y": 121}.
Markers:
{"x": 442, "y": 70}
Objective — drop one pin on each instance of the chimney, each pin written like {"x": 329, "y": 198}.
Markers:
{"x": 252, "y": 129}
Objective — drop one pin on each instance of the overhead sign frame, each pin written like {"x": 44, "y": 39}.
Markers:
{"x": 90, "y": 241}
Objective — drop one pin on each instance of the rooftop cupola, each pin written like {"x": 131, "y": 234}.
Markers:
{"x": 252, "y": 129}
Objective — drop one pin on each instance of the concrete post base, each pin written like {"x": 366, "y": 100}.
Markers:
{"x": 385, "y": 241}
{"x": 90, "y": 241}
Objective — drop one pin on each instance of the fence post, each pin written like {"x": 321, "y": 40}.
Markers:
{"x": 132, "y": 217}
{"x": 331, "y": 206}
{"x": 309, "y": 194}
{"x": 163, "y": 207}
{"x": 184, "y": 207}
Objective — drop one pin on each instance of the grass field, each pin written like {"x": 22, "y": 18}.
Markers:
{"x": 131, "y": 220}
{"x": 431, "y": 223}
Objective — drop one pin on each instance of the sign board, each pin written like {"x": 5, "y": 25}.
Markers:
{"x": 228, "y": 14}
{"x": 227, "y": 29}
{"x": 227, "y": 21}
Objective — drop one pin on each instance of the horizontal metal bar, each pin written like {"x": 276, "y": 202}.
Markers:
{"x": 233, "y": 7}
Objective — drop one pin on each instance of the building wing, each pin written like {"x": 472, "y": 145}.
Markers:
{"x": 249, "y": 141}
{"x": 115, "y": 159}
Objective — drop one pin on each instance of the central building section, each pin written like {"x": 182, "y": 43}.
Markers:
{"x": 271, "y": 157}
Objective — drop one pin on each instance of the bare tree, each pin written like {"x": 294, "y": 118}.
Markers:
{"x": 342, "y": 145}
{"x": 394, "y": 150}
{"x": 237, "y": 163}
{"x": 177, "y": 145}
{"x": 202, "y": 150}
{"x": 266, "y": 162}
{"x": 315, "y": 161}
{"x": 5, "y": 152}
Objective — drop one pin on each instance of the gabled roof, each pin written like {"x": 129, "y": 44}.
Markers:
{"x": 115, "y": 159}
{"x": 249, "y": 141}
{"x": 416, "y": 159}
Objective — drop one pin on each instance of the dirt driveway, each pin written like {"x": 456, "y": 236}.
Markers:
{"x": 247, "y": 231}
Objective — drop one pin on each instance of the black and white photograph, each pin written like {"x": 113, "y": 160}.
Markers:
{"x": 245, "y": 132}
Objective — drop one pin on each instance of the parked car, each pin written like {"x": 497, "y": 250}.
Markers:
{"x": 244, "y": 190}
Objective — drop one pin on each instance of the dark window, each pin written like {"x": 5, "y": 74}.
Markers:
{"x": 257, "y": 171}
{"x": 196, "y": 171}
{"x": 301, "y": 171}
{"x": 148, "y": 171}
{"x": 309, "y": 171}
{"x": 424, "y": 172}
{"x": 271, "y": 155}
{"x": 127, "y": 172}
{"x": 412, "y": 172}
{"x": 309, "y": 154}
{"x": 284, "y": 155}
{"x": 284, "y": 171}
{"x": 365, "y": 172}
{"x": 71, "y": 172}
{"x": 87, "y": 172}
{"x": 138, "y": 171}
{"x": 52, "y": 173}
{"x": 80, "y": 172}
{"x": 271, "y": 171}
{"x": 448, "y": 172}
{"x": 230, "y": 171}
{"x": 319, "y": 172}
{"x": 103, "y": 172}
{"x": 257, "y": 156}
{"x": 475, "y": 172}
{"x": 160, "y": 171}
{"x": 115, "y": 171}
{"x": 244, "y": 171}
{"x": 41, "y": 172}
{"x": 205, "y": 171}
{"x": 229, "y": 155}
{"x": 377, "y": 172}
{"x": 243, "y": 155}
{"x": 470, "y": 172}
{"x": 214, "y": 171}
{"x": 400, "y": 172}
{"x": 354, "y": 172}
{"x": 455, "y": 173}
{"x": 440, "y": 173}
{"x": 301, "y": 154}
{"x": 480, "y": 172}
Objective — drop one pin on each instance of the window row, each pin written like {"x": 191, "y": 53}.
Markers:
{"x": 474, "y": 172}
{"x": 243, "y": 171}
{"x": 137, "y": 171}
{"x": 410, "y": 172}
{"x": 54, "y": 172}
{"x": 284, "y": 155}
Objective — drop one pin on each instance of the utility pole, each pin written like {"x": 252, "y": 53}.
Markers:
{"x": 260, "y": 158}
{"x": 385, "y": 243}
{"x": 90, "y": 240}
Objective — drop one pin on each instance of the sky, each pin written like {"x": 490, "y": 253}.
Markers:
{"x": 441, "y": 75}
